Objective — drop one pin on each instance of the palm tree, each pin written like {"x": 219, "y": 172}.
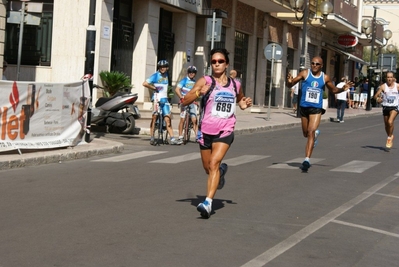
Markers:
{"x": 114, "y": 82}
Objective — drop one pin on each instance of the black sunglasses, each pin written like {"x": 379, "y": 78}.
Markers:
{"x": 316, "y": 63}
{"x": 220, "y": 61}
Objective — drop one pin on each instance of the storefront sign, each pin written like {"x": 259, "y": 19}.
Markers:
{"x": 194, "y": 6}
{"x": 347, "y": 40}
{"x": 42, "y": 115}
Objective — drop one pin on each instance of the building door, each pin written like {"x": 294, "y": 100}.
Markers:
{"x": 122, "y": 39}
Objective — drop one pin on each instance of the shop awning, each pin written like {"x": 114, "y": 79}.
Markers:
{"x": 349, "y": 55}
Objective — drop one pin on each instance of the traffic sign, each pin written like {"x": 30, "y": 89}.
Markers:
{"x": 273, "y": 51}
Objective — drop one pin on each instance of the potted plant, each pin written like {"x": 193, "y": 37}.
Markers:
{"x": 114, "y": 81}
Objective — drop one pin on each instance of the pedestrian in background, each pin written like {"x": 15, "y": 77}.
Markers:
{"x": 387, "y": 94}
{"x": 342, "y": 100}
{"x": 364, "y": 89}
{"x": 313, "y": 85}
{"x": 217, "y": 121}
{"x": 356, "y": 94}
{"x": 351, "y": 101}
{"x": 233, "y": 74}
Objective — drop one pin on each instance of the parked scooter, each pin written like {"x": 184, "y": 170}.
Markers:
{"x": 117, "y": 112}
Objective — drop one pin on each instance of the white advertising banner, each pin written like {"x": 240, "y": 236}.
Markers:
{"x": 42, "y": 115}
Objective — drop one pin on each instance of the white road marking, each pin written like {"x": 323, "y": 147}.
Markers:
{"x": 243, "y": 159}
{"x": 386, "y": 195}
{"x": 293, "y": 164}
{"x": 178, "y": 159}
{"x": 291, "y": 241}
{"x": 356, "y": 166}
{"x": 126, "y": 157}
{"x": 366, "y": 228}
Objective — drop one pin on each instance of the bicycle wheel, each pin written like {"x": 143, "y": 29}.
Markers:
{"x": 186, "y": 128}
{"x": 160, "y": 129}
{"x": 155, "y": 132}
{"x": 165, "y": 131}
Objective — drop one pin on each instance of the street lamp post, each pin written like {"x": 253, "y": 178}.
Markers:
{"x": 89, "y": 63}
{"x": 302, "y": 6}
{"x": 370, "y": 28}
{"x": 370, "y": 72}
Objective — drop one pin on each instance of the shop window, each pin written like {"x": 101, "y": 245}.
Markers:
{"x": 36, "y": 46}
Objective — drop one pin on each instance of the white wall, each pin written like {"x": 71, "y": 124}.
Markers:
{"x": 146, "y": 16}
{"x": 69, "y": 40}
{"x": 184, "y": 29}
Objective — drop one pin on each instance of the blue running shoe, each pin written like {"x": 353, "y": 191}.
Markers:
{"x": 305, "y": 166}
{"x": 205, "y": 209}
{"x": 316, "y": 134}
{"x": 223, "y": 170}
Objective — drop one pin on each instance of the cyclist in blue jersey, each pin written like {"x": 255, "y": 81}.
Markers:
{"x": 182, "y": 88}
{"x": 159, "y": 82}
{"x": 313, "y": 85}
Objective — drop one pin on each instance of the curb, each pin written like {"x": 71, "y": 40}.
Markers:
{"x": 32, "y": 158}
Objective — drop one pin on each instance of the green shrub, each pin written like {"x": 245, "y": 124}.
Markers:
{"x": 114, "y": 82}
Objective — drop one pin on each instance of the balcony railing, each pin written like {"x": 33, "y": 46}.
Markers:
{"x": 346, "y": 11}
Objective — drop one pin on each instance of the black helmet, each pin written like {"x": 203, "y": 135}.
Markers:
{"x": 163, "y": 63}
{"x": 192, "y": 69}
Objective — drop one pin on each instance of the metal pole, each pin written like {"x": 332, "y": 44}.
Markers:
{"x": 370, "y": 72}
{"x": 213, "y": 29}
{"x": 271, "y": 81}
{"x": 89, "y": 63}
{"x": 212, "y": 37}
{"x": 302, "y": 59}
{"x": 21, "y": 34}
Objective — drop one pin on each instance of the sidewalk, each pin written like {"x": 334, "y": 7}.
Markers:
{"x": 247, "y": 122}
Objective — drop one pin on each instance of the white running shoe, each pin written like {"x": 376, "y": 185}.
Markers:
{"x": 205, "y": 209}
{"x": 175, "y": 141}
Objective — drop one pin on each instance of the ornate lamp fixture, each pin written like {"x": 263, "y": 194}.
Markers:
{"x": 366, "y": 27}
{"x": 387, "y": 35}
{"x": 391, "y": 48}
{"x": 319, "y": 18}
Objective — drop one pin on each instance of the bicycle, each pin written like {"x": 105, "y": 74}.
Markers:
{"x": 188, "y": 125}
{"x": 159, "y": 124}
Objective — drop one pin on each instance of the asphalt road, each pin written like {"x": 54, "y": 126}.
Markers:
{"x": 138, "y": 208}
